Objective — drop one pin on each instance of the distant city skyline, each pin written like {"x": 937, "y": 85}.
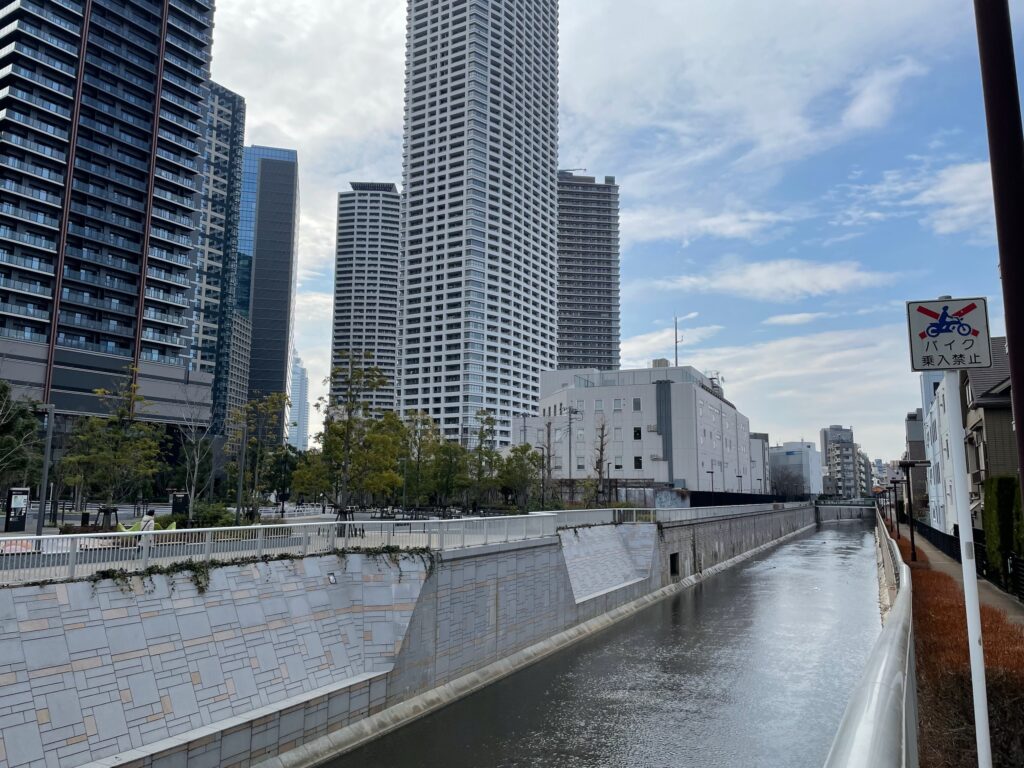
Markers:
{"x": 785, "y": 211}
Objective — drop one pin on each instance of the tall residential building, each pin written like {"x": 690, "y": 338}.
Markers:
{"x": 101, "y": 112}
{"x": 839, "y": 453}
{"x": 366, "y": 269}
{"x": 267, "y": 234}
{"x": 760, "y": 463}
{"x": 298, "y": 427}
{"x": 588, "y": 272}
{"x": 479, "y": 217}
{"x": 216, "y": 317}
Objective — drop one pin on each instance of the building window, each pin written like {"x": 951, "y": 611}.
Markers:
{"x": 638, "y": 462}
{"x": 637, "y": 433}
{"x": 579, "y": 406}
{"x": 618, "y": 403}
{"x": 618, "y": 434}
{"x": 618, "y": 462}
{"x": 579, "y": 462}
{"x": 636, "y": 405}
{"x": 599, "y": 405}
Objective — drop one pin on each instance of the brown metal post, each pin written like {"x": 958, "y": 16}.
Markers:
{"x": 910, "y": 514}
{"x": 1006, "y": 156}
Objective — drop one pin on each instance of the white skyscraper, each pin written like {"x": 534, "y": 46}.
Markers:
{"x": 479, "y": 219}
{"x": 298, "y": 427}
{"x": 366, "y": 286}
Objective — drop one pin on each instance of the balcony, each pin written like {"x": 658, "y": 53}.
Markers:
{"x": 29, "y": 193}
{"x": 75, "y": 342}
{"x": 23, "y": 334}
{"x": 33, "y": 265}
{"x": 26, "y": 238}
{"x": 24, "y": 311}
{"x": 86, "y": 300}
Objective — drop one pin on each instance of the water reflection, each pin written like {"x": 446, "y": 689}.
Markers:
{"x": 751, "y": 668}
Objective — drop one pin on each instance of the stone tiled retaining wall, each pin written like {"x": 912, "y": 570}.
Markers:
{"x": 88, "y": 671}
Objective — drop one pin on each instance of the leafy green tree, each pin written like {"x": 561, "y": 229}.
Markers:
{"x": 421, "y": 441}
{"x": 346, "y": 417}
{"x": 19, "y": 431}
{"x": 114, "y": 457}
{"x": 520, "y": 474}
{"x": 449, "y": 472}
{"x": 375, "y": 463}
{"x": 310, "y": 480}
{"x": 485, "y": 461}
{"x": 281, "y": 467}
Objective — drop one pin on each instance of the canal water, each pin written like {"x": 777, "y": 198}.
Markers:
{"x": 751, "y": 668}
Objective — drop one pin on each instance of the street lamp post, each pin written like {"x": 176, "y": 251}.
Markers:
{"x": 572, "y": 488}
{"x": 47, "y": 409}
{"x": 712, "y": 473}
{"x": 895, "y": 507}
{"x": 740, "y": 478}
{"x": 907, "y": 467}
{"x": 405, "y": 485}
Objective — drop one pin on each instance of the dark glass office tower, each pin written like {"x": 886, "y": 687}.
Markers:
{"x": 268, "y": 228}
{"x": 101, "y": 109}
{"x": 588, "y": 272}
{"x": 222, "y": 338}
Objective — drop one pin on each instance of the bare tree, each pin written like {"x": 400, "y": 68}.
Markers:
{"x": 788, "y": 482}
{"x": 18, "y": 431}
{"x": 196, "y": 444}
{"x": 600, "y": 454}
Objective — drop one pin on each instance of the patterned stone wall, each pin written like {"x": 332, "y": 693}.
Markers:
{"x": 89, "y": 671}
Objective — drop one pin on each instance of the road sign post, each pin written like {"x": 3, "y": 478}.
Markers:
{"x": 952, "y": 335}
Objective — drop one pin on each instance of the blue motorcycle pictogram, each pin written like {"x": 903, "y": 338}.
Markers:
{"x": 947, "y": 324}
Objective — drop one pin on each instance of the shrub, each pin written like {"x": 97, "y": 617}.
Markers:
{"x": 998, "y": 520}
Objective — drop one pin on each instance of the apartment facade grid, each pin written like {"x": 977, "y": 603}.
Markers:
{"x": 366, "y": 285}
{"x": 479, "y": 218}
{"x": 588, "y": 272}
{"x": 101, "y": 133}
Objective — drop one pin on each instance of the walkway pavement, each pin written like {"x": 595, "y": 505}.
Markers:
{"x": 989, "y": 593}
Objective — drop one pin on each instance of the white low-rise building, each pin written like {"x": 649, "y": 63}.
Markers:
{"x": 658, "y": 426}
{"x": 941, "y": 509}
{"x": 796, "y": 469}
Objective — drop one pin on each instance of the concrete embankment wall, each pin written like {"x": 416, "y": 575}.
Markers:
{"x": 831, "y": 513}
{"x": 276, "y": 665}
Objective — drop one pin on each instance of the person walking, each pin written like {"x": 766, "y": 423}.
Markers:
{"x": 148, "y": 521}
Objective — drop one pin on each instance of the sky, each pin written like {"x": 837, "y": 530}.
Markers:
{"x": 791, "y": 173}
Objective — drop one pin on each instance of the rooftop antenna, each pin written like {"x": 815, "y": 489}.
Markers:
{"x": 678, "y": 339}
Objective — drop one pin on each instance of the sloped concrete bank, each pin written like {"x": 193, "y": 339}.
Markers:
{"x": 291, "y": 663}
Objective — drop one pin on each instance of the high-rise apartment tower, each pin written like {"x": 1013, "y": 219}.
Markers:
{"x": 479, "y": 292}
{"x": 366, "y": 287}
{"x": 101, "y": 111}
{"x": 298, "y": 427}
{"x": 217, "y": 315}
{"x": 588, "y": 272}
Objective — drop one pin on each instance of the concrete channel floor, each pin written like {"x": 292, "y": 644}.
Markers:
{"x": 989, "y": 593}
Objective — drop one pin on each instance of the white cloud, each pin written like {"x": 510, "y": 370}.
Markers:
{"x": 779, "y": 280}
{"x": 650, "y": 223}
{"x": 797, "y": 318}
{"x": 958, "y": 198}
{"x": 955, "y": 198}
{"x": 794, "y": 386}
{"x": 874, "y": 95}
{"x": 638, "y": 351}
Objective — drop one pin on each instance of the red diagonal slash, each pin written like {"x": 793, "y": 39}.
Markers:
{"x": 926, "y": 311}
{"x": 966, "y": 310}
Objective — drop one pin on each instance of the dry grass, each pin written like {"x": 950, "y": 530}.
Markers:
{"x": 946, "y": 728}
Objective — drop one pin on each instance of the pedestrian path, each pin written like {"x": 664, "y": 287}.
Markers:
{"x": 989, "y": 594}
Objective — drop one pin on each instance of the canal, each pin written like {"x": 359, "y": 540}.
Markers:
{"x": 753, "y": 667}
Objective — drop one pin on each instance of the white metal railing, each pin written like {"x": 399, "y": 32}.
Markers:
{"x": 576, "y": 517}
{"x": 28, "y": 559}
{"x": 879, "y": 726}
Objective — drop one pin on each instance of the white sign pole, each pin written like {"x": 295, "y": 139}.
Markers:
{"x": 961, "y": 498}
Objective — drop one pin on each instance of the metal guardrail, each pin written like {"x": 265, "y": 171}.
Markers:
{"x": 29, "y": 559}
{"x": 879, "y": 726}
{"x": 572, "y": 518}
{"x": 846, "y": 503}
